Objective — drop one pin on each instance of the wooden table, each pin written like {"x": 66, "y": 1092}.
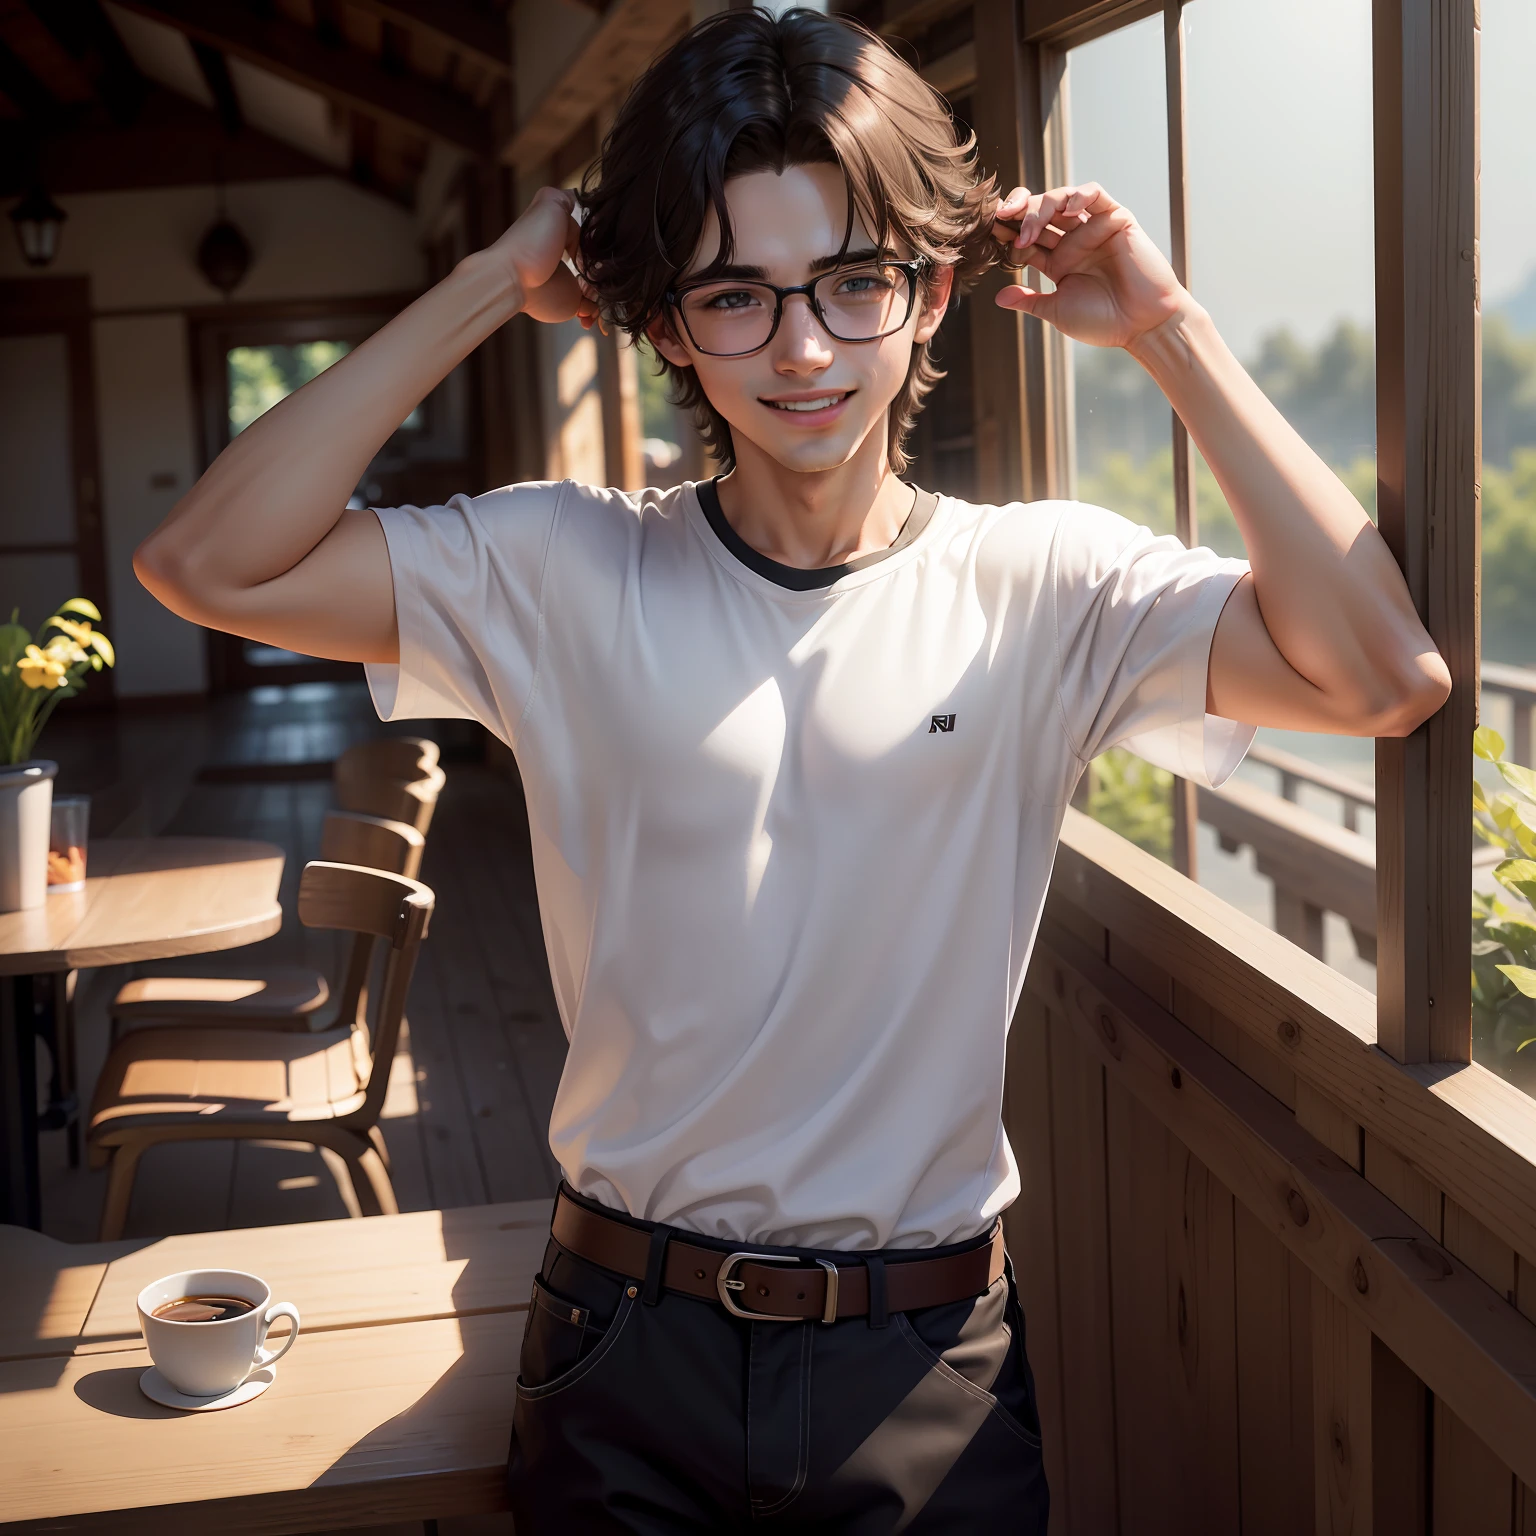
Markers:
{"x": 395, "y": 1404}
{"x": 145, "y": 899}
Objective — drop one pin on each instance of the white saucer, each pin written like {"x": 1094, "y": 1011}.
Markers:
{"x": 157, "y": 1389}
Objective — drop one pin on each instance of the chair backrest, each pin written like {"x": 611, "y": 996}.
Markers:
{"x": 349, "y": 837}
{"x": 389, "y": 907}
{"x": 412, "y": 802}
{"x": 389, "y": 757}
{"x": 375, "y": 842}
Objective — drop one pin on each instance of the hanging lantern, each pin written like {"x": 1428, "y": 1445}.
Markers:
{"x": 38, "y": 220}
{"x": 224, "y": 257}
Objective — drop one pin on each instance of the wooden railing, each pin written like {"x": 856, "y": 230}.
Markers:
{"x": 1318, "y": 866}
{"x": 1273, "y": 1279}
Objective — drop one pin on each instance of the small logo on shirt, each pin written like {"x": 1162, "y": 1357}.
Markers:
{"x": 942, "y": 723}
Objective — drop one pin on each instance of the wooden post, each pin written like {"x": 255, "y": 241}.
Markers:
{"x": 1051, "y": 459}
{"x": 619, "y": 381}
{"x": 997, "y": 335}
{"x": 1428, "y": 399}
{"x": 1186, "y": 524}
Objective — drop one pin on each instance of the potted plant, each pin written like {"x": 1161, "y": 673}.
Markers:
{"x": 34, "y": 679}
{"x": 1504, "y": 932}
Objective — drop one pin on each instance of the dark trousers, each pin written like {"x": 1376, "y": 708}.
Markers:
{"x": 676, "y": 1416}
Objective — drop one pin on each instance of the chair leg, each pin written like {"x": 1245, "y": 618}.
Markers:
{"x": 370, "y": 1178}
{"x": 341, "y": 1173}
{"x": 120, "y": 1175}
{"x": 376, "y": 1139}
{"x": 69, "y": 1056}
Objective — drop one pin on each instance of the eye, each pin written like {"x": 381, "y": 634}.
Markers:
{"x": 867, "y": 280}
{"x": 727, "y": 299}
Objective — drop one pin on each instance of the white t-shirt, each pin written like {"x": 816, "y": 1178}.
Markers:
{"x": 792, "y": 846}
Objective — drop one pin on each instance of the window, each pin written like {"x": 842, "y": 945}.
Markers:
{"x": 261, "y": 376}
{"x": 1504, "y": 1016}
{"x": 1279, "y": 248}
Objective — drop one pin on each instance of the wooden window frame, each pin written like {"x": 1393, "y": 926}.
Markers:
{"x": 1424, "y": 88}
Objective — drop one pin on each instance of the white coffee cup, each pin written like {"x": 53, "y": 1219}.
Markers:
{"x": 209, "y": 1359}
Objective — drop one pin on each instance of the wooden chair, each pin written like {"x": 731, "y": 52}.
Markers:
{"x": 389, "y": 757}
{"x": 285, "y": 997}
{"x": 409, "y": 800}
{"x": 325, "y": 1090}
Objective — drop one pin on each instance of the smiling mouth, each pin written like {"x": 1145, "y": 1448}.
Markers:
{"x": 819, "y": 403}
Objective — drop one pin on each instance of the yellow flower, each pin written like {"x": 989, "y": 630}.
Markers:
{"x": 80, "y": 631}
{"x": 62, "y": 648}
{"x": 40, "y": 670}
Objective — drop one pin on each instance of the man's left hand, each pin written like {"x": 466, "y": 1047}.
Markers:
{"x": 1113, "y": 285}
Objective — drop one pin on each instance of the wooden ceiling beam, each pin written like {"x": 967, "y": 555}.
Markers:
{"x": 221, "y": 86}
{"x": 285, "y": 48}
{"x": 26, "y": 90}
{"x": 173, "y": 143}
{"x": 481, "y": 36}
{"x": 83, "y": 31}
{"x": 619, "y": 47}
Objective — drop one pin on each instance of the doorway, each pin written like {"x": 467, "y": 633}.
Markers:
{"x": 246, "y": 358}
{"x": 51, "y": 543}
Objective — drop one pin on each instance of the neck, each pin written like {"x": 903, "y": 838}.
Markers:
{"x": 813, "y": 519}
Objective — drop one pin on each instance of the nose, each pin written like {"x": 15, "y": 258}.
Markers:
{"x": 801, "y": 347}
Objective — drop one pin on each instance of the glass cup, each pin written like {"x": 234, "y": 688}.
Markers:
{"x": 66, "y": 843}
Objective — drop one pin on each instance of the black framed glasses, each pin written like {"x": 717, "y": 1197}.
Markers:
{"x": 732, "y": 316}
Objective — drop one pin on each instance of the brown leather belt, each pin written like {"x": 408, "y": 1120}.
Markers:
{"x": 770, "y": 1287}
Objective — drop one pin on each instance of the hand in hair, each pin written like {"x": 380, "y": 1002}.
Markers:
{"x": 534, "y": 248}
{"x": 1113, "y": 285}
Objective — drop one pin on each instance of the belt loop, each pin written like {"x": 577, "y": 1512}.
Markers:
{"x": 879, "y": 1316}
{"x": 655, "y": 1264}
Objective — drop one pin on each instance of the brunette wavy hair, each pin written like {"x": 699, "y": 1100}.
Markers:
{"x": 747, "y": 91}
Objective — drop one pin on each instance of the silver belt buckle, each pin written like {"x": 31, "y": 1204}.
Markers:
{"x": 725, "y": 1284}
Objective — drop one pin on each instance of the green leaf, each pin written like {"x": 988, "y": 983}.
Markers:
{"x": 1527, "y": 840}
{"x": 1514, "y": 932}
{"x": 1488, "y": 835}
{"x": 1518, "y": 876}
{"x": 1521, "y": 780}
{"x": 1513, "y": 871}
{"x": 1523, "y": 977}
{"x": 1486, "y": 946}
{"x": 1479, "y": 799}
{"x": 83, "y": 605}
{"x": 1487, "y": 744}
{"x": 13, "y": 641}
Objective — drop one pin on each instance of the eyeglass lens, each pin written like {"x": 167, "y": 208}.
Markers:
{"x": 856, "y": 304}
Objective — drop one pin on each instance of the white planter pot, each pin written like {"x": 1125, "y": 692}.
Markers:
{"x": 26, "y": 798}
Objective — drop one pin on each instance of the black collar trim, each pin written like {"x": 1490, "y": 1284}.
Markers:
{"x": 793, "y": 576}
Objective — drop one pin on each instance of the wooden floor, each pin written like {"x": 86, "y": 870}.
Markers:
{"x": 472, "y": 1089}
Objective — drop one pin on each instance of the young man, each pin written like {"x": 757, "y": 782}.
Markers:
{"x": 797, "y": 746}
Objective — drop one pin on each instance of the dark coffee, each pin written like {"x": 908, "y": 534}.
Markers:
{"x": 203, "y": 1309}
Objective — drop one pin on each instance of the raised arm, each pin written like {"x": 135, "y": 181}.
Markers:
{"x": 1322, "y": 636}
{"x": 263, "y": 545}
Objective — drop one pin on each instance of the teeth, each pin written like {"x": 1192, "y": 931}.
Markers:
{"x": 819, "y": 404}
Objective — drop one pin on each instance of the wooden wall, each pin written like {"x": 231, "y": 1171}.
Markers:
{"x": 1206, "y": 1330}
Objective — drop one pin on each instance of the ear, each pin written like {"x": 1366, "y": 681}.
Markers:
{"x": 936, "y": 294}
{"x": 664, "y": 339}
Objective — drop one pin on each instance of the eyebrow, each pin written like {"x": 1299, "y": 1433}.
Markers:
{"x": 748, "y": 274}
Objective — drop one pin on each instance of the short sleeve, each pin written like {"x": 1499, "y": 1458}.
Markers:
{"x": 1135, "y": 614}
{"x": 468, "y": 579}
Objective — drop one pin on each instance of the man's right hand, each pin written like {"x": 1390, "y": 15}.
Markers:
{"x": 533, "y": 249}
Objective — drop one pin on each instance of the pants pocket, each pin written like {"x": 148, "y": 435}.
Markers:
{"x": 560, "y": 1333}
{"x": 973, "y": 1344}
